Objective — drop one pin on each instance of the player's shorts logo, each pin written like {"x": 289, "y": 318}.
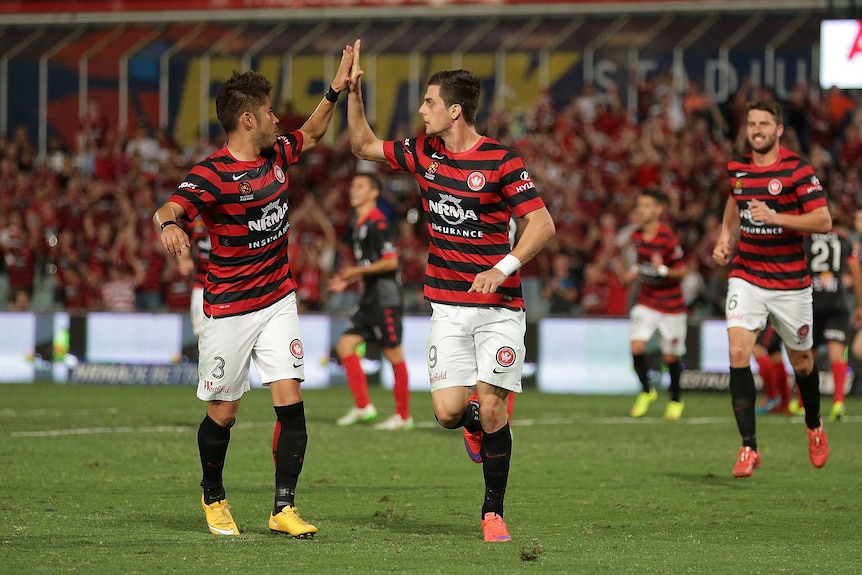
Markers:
{"x": 775, "y": 186}
{"x": 506, "y": 356}
{"x": 296, "y": 349}
{"x": 803, "y": 331}
{"x": 476, "y": 181}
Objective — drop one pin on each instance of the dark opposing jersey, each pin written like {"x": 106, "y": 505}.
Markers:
{"x": 468, "y": 198}
{"x": 770, "y": 256}
{"x": 659, "y": 293}
{"x": 244, "y": 208}
{"x": 827, "y": 262}
{"x": 373, "y": 240}
{"x": 200, "y": 240}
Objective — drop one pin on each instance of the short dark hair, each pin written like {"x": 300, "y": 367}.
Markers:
{"x": 459, "y": 87}
{"x": 770, "y": 106}
{"x": 655, "y": 194}
{"x": 244, "y": 92}
{"x": 372, "y": 179}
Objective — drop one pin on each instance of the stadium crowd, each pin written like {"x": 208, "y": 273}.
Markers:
{"x": 76, "y": 230}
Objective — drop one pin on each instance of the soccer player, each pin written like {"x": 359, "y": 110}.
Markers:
{"x": 241, "y": 194}
{"x": 470, "y": 186}
{"x": 381, "y": 309}
{"x": 830, "y": 257}
{"x": 660, "y": 265}
{"x": 775, "y": 198}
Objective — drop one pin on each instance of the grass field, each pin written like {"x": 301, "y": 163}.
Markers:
{"x": 104, "y": 480}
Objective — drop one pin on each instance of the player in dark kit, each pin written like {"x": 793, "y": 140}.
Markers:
{"x": 830, "y": 257}
{"x": 249, "y": 304}
{"x": 471, "y": 186}
{"x": 381, "y": 309}
{"x": 660, "y": 266}
{"x": 775, "y": 198}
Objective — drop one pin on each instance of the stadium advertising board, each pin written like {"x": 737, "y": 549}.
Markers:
{"x": 841, "y": 54}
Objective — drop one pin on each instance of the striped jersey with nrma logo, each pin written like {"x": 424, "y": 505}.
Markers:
{"x": 659, "y": 293}
{"x": 244, "y": 208}
{"x": 770, "y": 256}
{"x": 468, "y": 198}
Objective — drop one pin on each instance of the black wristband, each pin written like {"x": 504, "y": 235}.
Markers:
{"x": 168, "y": 223}
{"x": 331, "y": 95}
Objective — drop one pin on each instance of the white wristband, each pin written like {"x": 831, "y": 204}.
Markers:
{"x": 662, "y": 271}
{"x": 508, "y": 265}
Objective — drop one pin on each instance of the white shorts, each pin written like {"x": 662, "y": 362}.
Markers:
{"x": 196, "y": 310}
{"x": 790, "y": 311}
{"x": 672, "y": 328}
{"x": 470, "y": 344}
{"x": 270, "y": 336}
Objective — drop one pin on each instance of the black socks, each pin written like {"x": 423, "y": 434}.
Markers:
{"x": 213, "y": 440}
{"x": 809, "y": 389}
{"x": 642, "y": 370}
{"x": 496, "y": 455}
{"x": 743, "y": 396}
{"x": 289, "y": 441}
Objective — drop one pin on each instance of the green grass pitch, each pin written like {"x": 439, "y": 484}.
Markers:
{"x": 103, "y": 480}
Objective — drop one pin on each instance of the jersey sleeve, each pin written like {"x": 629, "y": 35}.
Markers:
{"x": 808, "y": 188}
{"x": 518, "y": 188}
{"x": 400, "y": 154}
{"x": 197, "y": 191}
{"x": 291, "y": 146}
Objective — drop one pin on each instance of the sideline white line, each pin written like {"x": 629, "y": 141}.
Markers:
{"x": 576, "y": 418}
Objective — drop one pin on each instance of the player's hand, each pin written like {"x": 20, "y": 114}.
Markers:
{"x": 721, "y": 253}
{"x": 761, "y": 212}
{"x": 350, "y": 274}
{"x": 487, "y": 282}
{"x": 337, "y": 284}
{"x": 355, "y": 70}
{"x": 342, "y": 76}
{"x": 174, "y": 240}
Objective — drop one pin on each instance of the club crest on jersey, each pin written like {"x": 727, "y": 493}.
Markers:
{"x": 476, "y": 181}
{"x": 431, "y": 171}
{"x": 296, "y": 349}
{"x": 774, "y": 186}
{"x": 505, "y": 356}
{"x": 279, "y": 174}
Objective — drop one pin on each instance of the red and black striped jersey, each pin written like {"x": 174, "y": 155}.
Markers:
{"x": 659, "y": 293}
{"x": 200, "y": 240}
{"x": 770, "y": 256}
{"x": 244, "y": 208}
{"x": 469, "y": 198}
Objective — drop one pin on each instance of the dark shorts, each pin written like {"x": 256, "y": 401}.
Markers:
{"x": 831, "y": 324}
{"x": 382, "y": 325}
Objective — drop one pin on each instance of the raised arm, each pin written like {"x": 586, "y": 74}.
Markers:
{"x": 315, "y": 127}
{"x": 363, "y": 142}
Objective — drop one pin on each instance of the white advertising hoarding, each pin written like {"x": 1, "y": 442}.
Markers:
{"x": 841, "y": 54}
